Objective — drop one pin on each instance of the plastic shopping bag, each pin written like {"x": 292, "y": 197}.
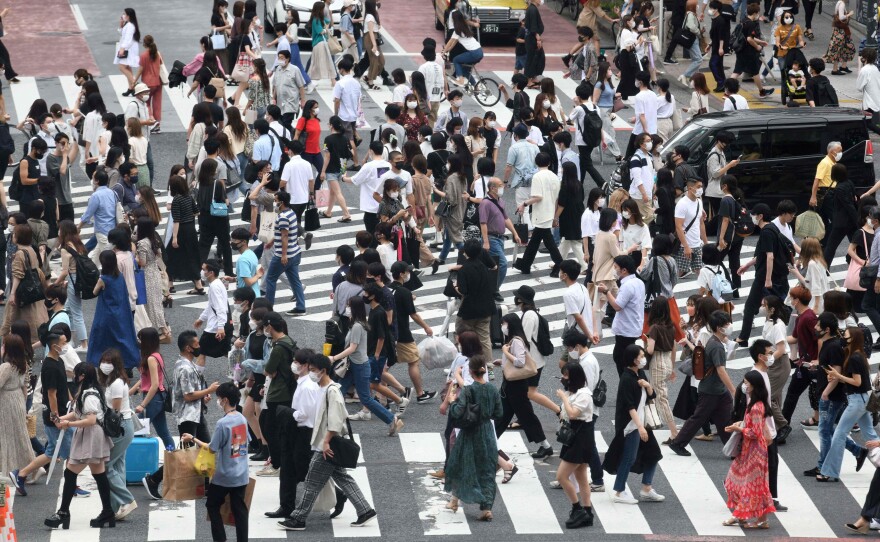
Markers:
{"x": 205, "y": 463}
{"x": 437, "y": 352}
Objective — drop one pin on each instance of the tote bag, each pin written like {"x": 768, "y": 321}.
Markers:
{"x": 140, "y": 282}
{"x": 267, "y": 227}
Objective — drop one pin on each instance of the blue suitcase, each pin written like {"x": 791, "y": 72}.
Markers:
{"x": 141, "y": 458}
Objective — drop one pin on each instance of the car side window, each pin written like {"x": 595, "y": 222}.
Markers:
{"x": 796, "y": 141}
{"x": 748, "y": 143}
{"x": 848, "y": 134}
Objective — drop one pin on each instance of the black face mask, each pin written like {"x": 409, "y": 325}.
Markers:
{"x": 49, "y": 303}
{"x": 564, "y": 382}
{"x": 197, "y": 352}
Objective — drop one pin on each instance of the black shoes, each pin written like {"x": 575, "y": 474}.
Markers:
{"x": 779, "y": 507}
{"x": 435, "y": 265}
{"x": 292, "y": 525}
{"x": 813, "y": 472}
{"x": 581, "y": 517}
{"x": 860, "y": 460}
{"x": 783, "y": 434}
{"x": 262, "y": 455}
{"x": 522, "y": 268}
{"x": 309, "y": 238}
{"x": 58, "y": 519}
{"x": 669, "y": 61}
{"x": 107, "y": 518}
{"x": 340, "y": 504}
{"x": 543, "y": 452}
{"x": 152, "y": 488}
{"x": 499, "y": 298}
{"x": 679, "y": 450}
{"x": 280, "y": 513}
{"x": 425, "y": 397}
{"x": 365, "y": 518}
{"x": 129, "y": 92}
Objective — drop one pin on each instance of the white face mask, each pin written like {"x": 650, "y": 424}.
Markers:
{"x": 699, "y": 192}
{"x": 500, "y": 192}
{"x": 253, "y": 325}
{"x": 546, "y": 104}
{"x": 220, "y": 404}
{"x": 296, "y": 367}
{"x": 838, "y": 157}
{"x": 504, "y": 329}
{"x": 106, "y": 368}
{"x": 625, "y": 214}
{"x": 9, "y": 230}
{"x": 347, "y": 312}
{"x": 649, "y": 145}
{"x": 574, "y": 354}
{"x": 64, "y": 350}
{"x": 726, "y": 330}
{"x": 643, "y": 362}
{"x": 762, "y": 312}
{"x": 203, "y": 275}
{"x": 600, "y": 202}
{"x": 744, "y": 388}
{"x": 631, "y": 24}
{"x": 755, "y": 220}
{"x": 394, "y": 195}
{"x": 315, "y": 377}
{"x": 615, "y": 274}
{"x": 412, "y": 105}
{"x": 316, "y": 111}
{"x": 710, "y": 12}
{"x": 770, "y": 360}
{"x": 456, "y": 103}
{"x": 491, "y": 124}
{"x": 137, "y": 198}
{"x": 787, "y": 20}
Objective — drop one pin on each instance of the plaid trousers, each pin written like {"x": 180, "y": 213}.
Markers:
{"x": 320, "y": 471}
{"x": 685, "y": 264}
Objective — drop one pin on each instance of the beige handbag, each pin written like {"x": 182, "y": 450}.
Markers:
{"x": 513, "y": 373}
{"x": 333, "y": 44}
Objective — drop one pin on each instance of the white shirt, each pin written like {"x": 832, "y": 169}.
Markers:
{"x": 137, "y": 109}
{"x": 741, "y": 103}
{"x": 297, "y": 173}
{"x": 279, "y": 129}
{"x": 645, "y": 102}
{"x": 545, "y": 183}
{"x": 368, "y": 179}
{"x": 687, "y": 209}
{"x": 869, "y": 83}
{"x": 348, "y": 91}
{"x": 776, "y": 333}
{"x": 583, "y": 401}
{"x": 590, "y": 223}
{"x": 460, "y": 361}
{"x": 215, "y": 313}
{"x": 784, "y": 229}
{"x": 535, "y": 136}
{"x": 433, "y": 73}
{"x": 118, "y": 390}
{"x": 665, "y": 109}
{"x": 591, "y": 368}
{"x": 530, "y": 325}
{"x": 400, "y": 93}
{"x": 577, "y": 117}
{"x": 633, "y": 234}
{"x": 470, "y": 44}
{"x": 305, "y": 401}
{"x": 406, "y": 189}
{"x": 576, "y": 300}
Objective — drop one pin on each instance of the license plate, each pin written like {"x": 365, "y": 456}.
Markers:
{"x": 490, "y": 28}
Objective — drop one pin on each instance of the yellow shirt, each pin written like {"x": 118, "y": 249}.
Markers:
{"x": 823, "y": 173}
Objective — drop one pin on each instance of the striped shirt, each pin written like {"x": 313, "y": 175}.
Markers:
{"x": 286, "y": 220}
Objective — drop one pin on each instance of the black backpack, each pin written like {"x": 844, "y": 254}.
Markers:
{"x": 43, "y": 329}
{"x": 113, "y": 423}
{"x": 15, "y": 184}
{"x": 591, "y": 130}
{"x": 284, "y": 143}
{"x": 869, "y": 342}
{"x": 744, "y": 227}
{"x": 545, "y": 347}
{"x": 737, "y": 39}
{"x": 440, "y": 176}
{"x": 825, "y": 93}
{"x": 87, "y": 275}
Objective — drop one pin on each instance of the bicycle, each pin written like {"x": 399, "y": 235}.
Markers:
{"x": 572, "y": 6}
{"x": 483, "y": 89}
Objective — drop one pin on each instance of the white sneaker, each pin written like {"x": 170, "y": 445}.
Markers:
{"x": 401, "y": 408}
{"x": 268, "y": 471}
{"x": 126, "y": 509}
{"x": 624, "y": 497}
{"x": 875, "y": 525}
{"x": 35, "y": 476}
{"x": 310, "y": 88}
{"x": 555, "y": 484}
{"x": 81, "y": 349}
{"x": 361, "y": 416}
{"x": 651, "y": 496}
{"x": 395, "y": 426}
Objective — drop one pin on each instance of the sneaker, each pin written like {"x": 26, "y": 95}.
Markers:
{"x": 766, "y": 92}
{"x": 597, "y": 488}
{"x": 856, "y": 429}
{"x": 651, "y": 496}
{"x": 670, "y": 61}
{"x": 401, "y": 408}
{"x": 292, "y": 525}
{"x": 35, "y": 476}
{"x": 309, "y": 238}
{"x": 81, "y": 349}
{"x": 352, "y": 399}
{"x": 126, "y": 509}
{"x": 542, "y": 452}
{"x": 18, "y": 482}
{"x": 296, "y": 312}
{"x": 875, "y": 525}
{"x": 309, "y": 89}
{"x": 393, "y": 428}
{"x": 425, "y": 397}
{"x": 407, "y": 392}
{"x": 268, "y": 471}
{"x": 555, "y": 484}
{"x": 361, "y": 416}
{"x": 152, "y": 488}
{"x": 80, "y": 492}
{"x": 364, "y": 518}
{"x": 679, "y": 450}
{"x": 624, "y": 497}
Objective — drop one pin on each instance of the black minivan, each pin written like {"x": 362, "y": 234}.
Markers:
{"x": 781, "y": 147}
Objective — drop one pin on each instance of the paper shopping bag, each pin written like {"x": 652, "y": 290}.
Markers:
{"x": 226, "y": 508}
{"x": 181, "y": 482}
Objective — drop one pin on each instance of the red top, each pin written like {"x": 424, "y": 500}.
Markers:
{"x": 150, "y": 75}
{"x": 145, "y": 377}
{"x": 313, "y": 134}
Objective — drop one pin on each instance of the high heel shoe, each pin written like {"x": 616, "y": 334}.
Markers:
{"x": 452, "y": 505}
{"x": 168, "y": 302}
{"x": 107, "y": 517}
{"x": 58, "y": 519}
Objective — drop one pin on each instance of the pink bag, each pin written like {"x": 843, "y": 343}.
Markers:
{"x": 322, "y": 197}
{"x": 851, "y": 282}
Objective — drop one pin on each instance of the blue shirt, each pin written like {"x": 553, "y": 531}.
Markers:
{"x": 230, "y": 443}
{"x": 630, "y": 319}
{"x": 246, "y": 267}
{"x": 521, "y": 156}
{"x": 283, "y": 45}
{"x": 286, "y": 220}
{"x": 101, "y": 207}
{"x": 267, "y": 148}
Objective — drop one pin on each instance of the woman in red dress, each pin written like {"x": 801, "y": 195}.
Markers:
{"x": 747, "y": 482}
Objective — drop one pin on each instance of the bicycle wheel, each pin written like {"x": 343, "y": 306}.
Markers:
{"x": 573, "y": 9}
{"x": 486, "y": 92}
{"x": 560, "y": 6}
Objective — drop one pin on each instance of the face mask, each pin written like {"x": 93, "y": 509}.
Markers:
{"x": 787, "y": 20}
{"x": 726, "y": 331}
{"x": 500, "y": 192}
{"x": 220, "y": 404}
{"x": 204, "y": 276}
{"x": 315, "y": 377}
{"x": 296, "y": 367}
{"x": 642, "y": 362}
{"x": 626, "y": 214}
{"x": 744, "y": 388}
{"x": 133, "y": 179}
{"x": 316, "y": 111}
{"x": 770, "y": 360}
{"x": 394, "y": 195}
{"x": 64, "y": 350}
{"x": 574, "y": 354}
{"x": 649, "y": 145}
{"x": 600, "y": 202}
{"x": 762, "y": 312}
{"x": 711, "y": 12}
{"x": 137, "y": 197}
{"x": 546, "y": 104}
{"x": 504, "y": 329}
{"x": 615, "y": 274}
{"x": 412, "y": 105}
{"x": 9, "y": 230}
{"x": 838, "y": 157}
{"x": 283, "y": 64}
{"x": 491, "y": 124}
{"x": 631, "y": 24}
{"x": 106, "y": 368}
{"x": 456, "y": 103}
{"x": 49, "y": 303}
{"x": 196, "y": 353}
{"x": 699, "y": 192}
{"x": 755, "y": 220}
{"x": 347, "y": 312}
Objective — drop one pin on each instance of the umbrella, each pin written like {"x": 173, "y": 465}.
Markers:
{"x": 55, "y": 455}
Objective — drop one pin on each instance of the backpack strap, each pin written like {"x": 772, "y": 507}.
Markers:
{"x": 733, "y": 102}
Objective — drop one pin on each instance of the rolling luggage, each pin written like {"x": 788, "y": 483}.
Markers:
{"x": 141, "y": 458}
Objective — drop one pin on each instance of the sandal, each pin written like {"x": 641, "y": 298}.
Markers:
{"x": 344, "y": 220}
{"x": 452, "y": 505}
{"x": 514, "y": 426}
{"x": 485, "y": 516}
{"x": 809, "y": 422}
{"x": 731, "y": 522}
{"x": 809, "y": 35}
{"x": 756, "y": 525}
{"x": 508, "y": 474}
{"x": 327, "y": 216}
{"x": 823, "y": 478}
{"x": 196, "y": 291}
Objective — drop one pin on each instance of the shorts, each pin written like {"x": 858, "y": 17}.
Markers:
{"x": 332, "y": 176}
{"x": 377, "y": 367}
{"x": 259, "y": 382}
{"x": 520, "y": 62}
{"x": 535, "y": 380}
{"x": 694, "y": 263}
{"x": 211, "y": 347}
{"x": 407, "y": 352}
{"x": 349, "y": 129}
{"x": 52, "y": 434}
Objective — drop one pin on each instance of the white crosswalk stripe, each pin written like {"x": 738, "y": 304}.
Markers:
{"x": 177, "y": 106}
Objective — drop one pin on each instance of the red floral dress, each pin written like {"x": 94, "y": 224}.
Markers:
{"x": 747, "y": 482}
{"x": 411, "y": 125}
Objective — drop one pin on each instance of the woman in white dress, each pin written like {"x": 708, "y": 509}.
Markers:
{"x": 127, "y": 49}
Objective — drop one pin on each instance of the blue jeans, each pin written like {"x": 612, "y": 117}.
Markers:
{"x": 91, "y": 243}
{"x": 150, "y": 159}
{"x": 496, "y": 248}
{"x": 155, "y": 411}
{"x": 828, "y": 411}
{"x": 52, "y": 434}
{"x": 467, "y": 57}
{"x": 291, "y": 271}
{"x": 296, "y": 60}
{"x": 627, "y": 459}
{"x": 447, "y": 244}
{"x": 115, "y": 468}
{"x": 360, "y": 45}
{"x": 74, "y": 307}
{"x": 359, "y": 375}
{"x": 696, "y": 59}
{"x": 854, "y": 412}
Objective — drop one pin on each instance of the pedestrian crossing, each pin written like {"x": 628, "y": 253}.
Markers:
{"x": 524, "y": 506}
{"x": 177, "y": 106}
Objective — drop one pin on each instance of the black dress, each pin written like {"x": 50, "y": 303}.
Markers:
{"x": 628, "y": 397}
{"x": 572, "y": 209}
{"x": 183, "y": 262}
{"x": 534, "y": 56}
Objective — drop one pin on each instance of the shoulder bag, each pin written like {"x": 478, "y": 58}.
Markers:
{"x": 30, "y": 287}
{"x": 676, "y": 242}
{"x": 734, "y": 445}
{"x": 140, "y": 282}
{"x": 311, "y": 219}
{"x": 345, "y": 450}
{"x": 513, "y": 373}
{"x": 167, "y": 405}
{"x": 652, "y": 418}
{"x": 443, "y": 209}
{"x": 218, "y": 208}
{"x": 163, "y": 71}
{"x": 471, "y": 414}
{"x": 868, "y": 273}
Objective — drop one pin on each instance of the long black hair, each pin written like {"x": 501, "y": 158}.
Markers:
{"x": 146, "y": 229}
{"x": 760, "y": 393}
{"x": 132, "y": 18}
{"x": 89, "y": 382}
{"x": 514, "y": 328}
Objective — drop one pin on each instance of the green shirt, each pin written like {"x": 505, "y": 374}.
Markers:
{"x": 280, "y": 358}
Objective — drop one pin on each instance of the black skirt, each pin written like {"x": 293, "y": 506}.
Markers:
{"x": 686, "y": 403}
{"x": 649, "y": 454}
{"x": 580, "y": 449}
{"x": 183, "y": 262}
{"x": 213, "y": 348}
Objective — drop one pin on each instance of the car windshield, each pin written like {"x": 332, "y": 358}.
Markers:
{"x": 692, "y": 134}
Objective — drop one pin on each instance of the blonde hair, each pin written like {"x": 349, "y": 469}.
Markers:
{"x": 811, "y": 251}
{"x": 133, "y": 127}
{"x": 617, "y": 198}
